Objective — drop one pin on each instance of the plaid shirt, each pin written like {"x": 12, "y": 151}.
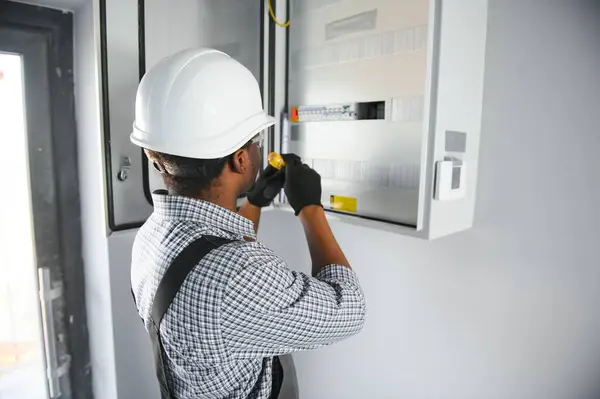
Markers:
{"x": 239, "y": 307}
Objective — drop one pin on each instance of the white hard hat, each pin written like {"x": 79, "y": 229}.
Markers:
{"x": 198, "y": 103}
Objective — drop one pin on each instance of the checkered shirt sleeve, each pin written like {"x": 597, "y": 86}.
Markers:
{"x": 270, "y": 310}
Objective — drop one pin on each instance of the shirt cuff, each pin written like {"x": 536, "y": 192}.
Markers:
{"x": 337, "y": 273}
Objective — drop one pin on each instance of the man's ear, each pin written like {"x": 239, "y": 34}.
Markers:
{"x": 240, "y": 161}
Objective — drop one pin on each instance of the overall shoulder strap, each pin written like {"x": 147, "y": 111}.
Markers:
{"x": 175, "y": 275}
{"x": 168, "y": 287}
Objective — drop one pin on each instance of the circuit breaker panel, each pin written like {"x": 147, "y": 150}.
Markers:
{"x": 382, "y": 97}
{"x": 357, "y": 75}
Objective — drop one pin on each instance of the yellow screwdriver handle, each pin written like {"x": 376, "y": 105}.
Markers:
{"x": 276, "y": 160}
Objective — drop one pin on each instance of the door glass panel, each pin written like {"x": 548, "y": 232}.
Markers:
{"x": 22, "y": 370}
{"x": 232, "y": 26}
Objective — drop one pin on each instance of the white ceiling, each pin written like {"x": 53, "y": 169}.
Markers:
{"x": 70, "y": 5}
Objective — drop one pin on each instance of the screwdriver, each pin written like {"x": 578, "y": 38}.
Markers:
{"x": 276, "y": 160}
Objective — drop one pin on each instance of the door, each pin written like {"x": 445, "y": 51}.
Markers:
{"x": 43, "y": 336}
{"x": 203, "y": 23}
{"x": 135, "y": 34}
{"x": 357, "y": 94}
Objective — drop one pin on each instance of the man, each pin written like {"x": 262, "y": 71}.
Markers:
{"x": 228, "y": 306}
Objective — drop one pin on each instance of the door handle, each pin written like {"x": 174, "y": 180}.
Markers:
{"x": 47, "y": 297}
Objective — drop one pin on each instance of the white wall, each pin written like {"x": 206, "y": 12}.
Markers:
{"x": 67, "y": 5}
{"x": 509, "y": 309}
{"x": 120, "y": 351}
{"x": 506, "y": 310}
{"x": 133, "y": 352}
{"x": 93, "y": 202}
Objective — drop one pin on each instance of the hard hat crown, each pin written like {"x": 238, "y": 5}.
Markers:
{"x": 198, "y": 103}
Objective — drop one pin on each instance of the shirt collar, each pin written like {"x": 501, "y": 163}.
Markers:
{"x": 194, "y": 210}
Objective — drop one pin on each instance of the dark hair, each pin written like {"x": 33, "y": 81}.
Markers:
{"x": 187, "y": 176}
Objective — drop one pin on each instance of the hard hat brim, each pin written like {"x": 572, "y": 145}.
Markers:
{"x": 221, "y": 145}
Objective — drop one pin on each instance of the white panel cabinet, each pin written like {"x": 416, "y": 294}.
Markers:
{"x": 382, "y": 97}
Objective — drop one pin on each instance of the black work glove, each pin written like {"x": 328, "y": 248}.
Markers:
{"x": 302, "y": 184}
{"x": 267, "y": 187}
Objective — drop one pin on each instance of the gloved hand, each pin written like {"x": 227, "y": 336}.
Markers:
{"x": 302, "y": 184}
{"x": 267, "y": 187}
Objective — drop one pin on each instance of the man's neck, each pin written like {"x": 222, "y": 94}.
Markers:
{"x": 223, "y": 199}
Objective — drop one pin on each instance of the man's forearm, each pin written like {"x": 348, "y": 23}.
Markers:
{"x": 250, "y": 212}
{"x": 324, "y": 249}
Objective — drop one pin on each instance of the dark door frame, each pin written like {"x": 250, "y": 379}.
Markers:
{"x": 44, "y": 37}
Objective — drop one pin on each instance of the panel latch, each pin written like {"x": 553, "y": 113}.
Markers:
{"x": 124, "y": 169}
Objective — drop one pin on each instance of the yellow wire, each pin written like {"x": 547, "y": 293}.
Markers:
{"x": 274, "y": 17}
